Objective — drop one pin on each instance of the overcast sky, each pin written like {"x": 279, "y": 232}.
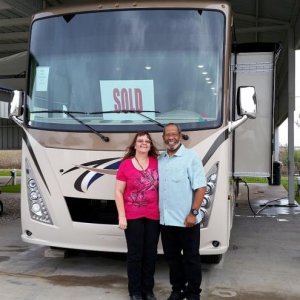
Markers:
{"x": 283, "y": 130}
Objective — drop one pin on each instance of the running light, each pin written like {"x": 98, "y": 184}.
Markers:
{"x": 37, "y": 206}
{"x": 206, "y": 205}
{"x": 210, "y": 188}
{"x": 206, "y": 201}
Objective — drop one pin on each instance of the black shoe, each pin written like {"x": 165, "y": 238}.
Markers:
{"x": 136, "y": 297}
{"x": 149, "y": 297}
{"x": 175, "y": 295}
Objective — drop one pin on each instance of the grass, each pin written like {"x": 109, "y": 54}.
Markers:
{"x": 255, "y": 179}
{"x": 11, "y": 188}
{"x": 285, "y": 183}
{"x": 6, "y": 172}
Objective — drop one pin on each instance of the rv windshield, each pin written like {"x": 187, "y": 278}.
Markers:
{"x": 167, "y": 64}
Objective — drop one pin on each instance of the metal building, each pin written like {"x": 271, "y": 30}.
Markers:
{"x": 10, "y": 135}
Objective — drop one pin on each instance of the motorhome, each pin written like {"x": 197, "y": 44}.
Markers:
{"x": 99, "y": 73}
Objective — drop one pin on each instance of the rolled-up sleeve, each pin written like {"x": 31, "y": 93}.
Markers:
{"x": 196, "y": 172}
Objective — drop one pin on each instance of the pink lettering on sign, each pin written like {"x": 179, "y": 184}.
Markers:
{"x": 128, "y": 99}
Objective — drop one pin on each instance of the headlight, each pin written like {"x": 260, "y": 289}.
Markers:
{"x": 31, "y": 183}
{"x": 203, "y": 213}
{"x": 210, "y": 188}
{"x": 208, "y": 199}
{"x": 37, "y": 206}
{"x": 33, "y": 196}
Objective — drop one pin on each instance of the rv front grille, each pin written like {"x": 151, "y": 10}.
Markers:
{"x": 96, "y": 211}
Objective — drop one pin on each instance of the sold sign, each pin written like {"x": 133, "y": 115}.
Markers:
{"x": 124, "y": 95}
{"x": 128, "y": 99}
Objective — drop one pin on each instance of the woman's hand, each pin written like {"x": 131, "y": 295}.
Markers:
{"x": 122, "y": 222}
{"x": 119, "y": 192}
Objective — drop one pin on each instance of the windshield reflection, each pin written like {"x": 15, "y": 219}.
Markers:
{"x": 142, "y": 60}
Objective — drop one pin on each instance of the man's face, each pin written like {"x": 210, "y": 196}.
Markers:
{"x": 171, "y": 137}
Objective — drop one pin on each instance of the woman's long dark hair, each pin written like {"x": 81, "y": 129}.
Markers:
{"x": 131, "y": 150}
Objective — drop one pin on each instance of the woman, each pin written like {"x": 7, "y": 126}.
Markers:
{"x": 136, "y": 196}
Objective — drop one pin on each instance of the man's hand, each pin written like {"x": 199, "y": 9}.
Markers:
{"x": 190, "y": 220}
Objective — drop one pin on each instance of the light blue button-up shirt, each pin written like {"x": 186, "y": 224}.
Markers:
{"x": 179, "y": 176}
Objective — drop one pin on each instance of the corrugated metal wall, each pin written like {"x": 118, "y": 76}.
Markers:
{"x": 10, "y": 135}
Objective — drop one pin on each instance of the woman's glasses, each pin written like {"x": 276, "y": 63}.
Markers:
{"x": 143, "y": 141}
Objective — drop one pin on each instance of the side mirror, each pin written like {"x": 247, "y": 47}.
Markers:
{"x": 246, "y": 105}
{"x": 16, "y": 105}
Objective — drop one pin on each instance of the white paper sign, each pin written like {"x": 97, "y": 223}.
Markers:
{"x": 4, "y": 110}
{"x": 129, "y": 95}
{"x": 42, "y": 75}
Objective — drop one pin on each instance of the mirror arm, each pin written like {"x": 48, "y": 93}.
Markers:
{"x": 233, "y": 125}
{"x": 17, "y": 121}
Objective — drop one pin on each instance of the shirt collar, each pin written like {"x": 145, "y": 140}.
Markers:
{"x": 179, "y": 152}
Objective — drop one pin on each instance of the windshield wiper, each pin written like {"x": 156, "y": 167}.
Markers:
{"x": 140, "y": 112}
{"x": 105, "y": 138}
{"x": 70, "y": 113}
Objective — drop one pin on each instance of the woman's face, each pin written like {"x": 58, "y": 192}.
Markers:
{"x": 142, "y": 144}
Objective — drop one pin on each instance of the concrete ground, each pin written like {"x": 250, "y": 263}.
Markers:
{"x": 263, "y": 261}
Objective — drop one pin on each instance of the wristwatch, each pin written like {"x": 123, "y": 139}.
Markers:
{"x": 194, "y": 212}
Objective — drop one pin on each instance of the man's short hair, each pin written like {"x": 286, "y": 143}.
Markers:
{"x": 172, "y": 124}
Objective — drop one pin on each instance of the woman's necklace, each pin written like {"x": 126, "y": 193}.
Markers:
{"x": 146, "y": 174}
{"x": 143, "y": 170}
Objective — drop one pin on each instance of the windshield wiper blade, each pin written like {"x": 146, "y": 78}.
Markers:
{"x": 126, "y": 111}
{"x": 184, "y": 136}
{"x": 68, "y": 113}
{"x": 141, "y": 112}
{"x": 103, "y": 137}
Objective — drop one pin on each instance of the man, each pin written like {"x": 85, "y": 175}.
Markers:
{"x": 182, "y": 185}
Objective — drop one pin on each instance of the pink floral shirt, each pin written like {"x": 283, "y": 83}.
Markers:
{"x": 141, "y": 191}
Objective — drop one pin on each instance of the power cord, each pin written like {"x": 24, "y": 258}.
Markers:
{"x": 248, "y": 194}
{"x": 12, "y": 176}
{"x": 9, "y": 180}
{"x": 248, "y": 198}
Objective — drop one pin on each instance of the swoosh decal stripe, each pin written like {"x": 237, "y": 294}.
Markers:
{"x": 78, "y": 181}
{"x": 220, "y": 139}
{"x": 29, "y": 147}
{"x": 101, "y": 171}
{"x": 110, "y": 169}
{"x": 96, "y": 163}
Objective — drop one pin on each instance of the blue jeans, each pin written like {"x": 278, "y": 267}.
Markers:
{"x": 142, "y": 238}
{"x": 181, "y": 250}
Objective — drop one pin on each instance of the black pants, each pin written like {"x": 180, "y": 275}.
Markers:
{"x": 181, "y": 250}
{"x": 142, "y": 237}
